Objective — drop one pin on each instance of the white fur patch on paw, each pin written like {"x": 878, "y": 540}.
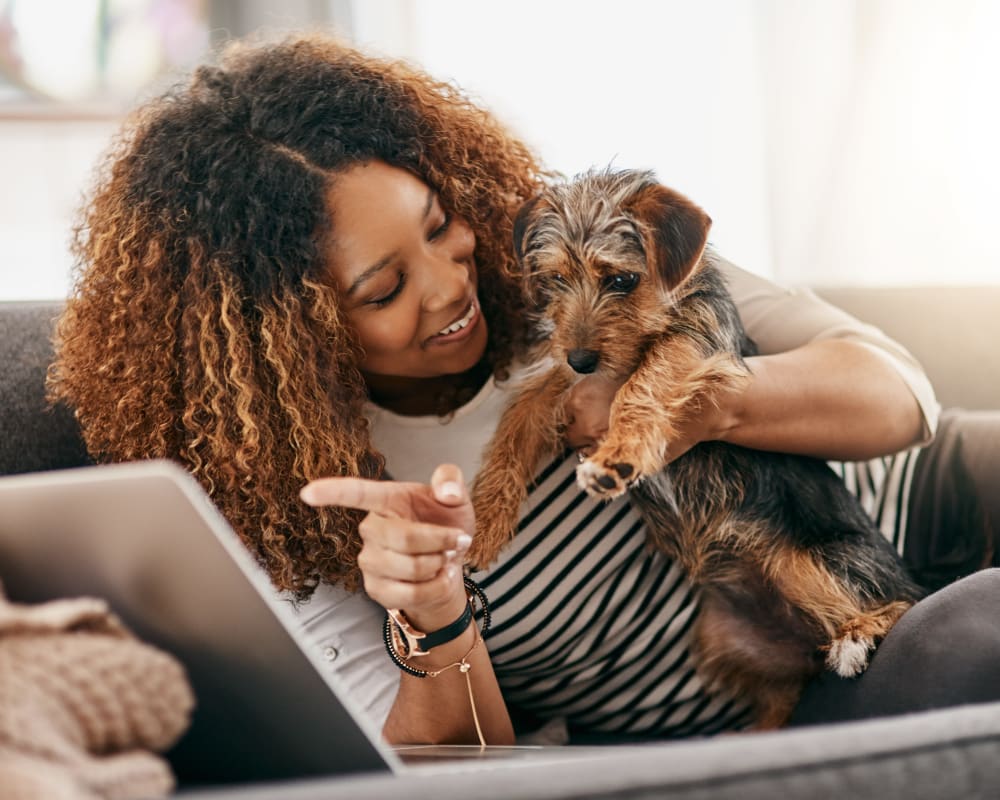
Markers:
{"x": 849, "y": 656}
{"x": 587, "y": 478}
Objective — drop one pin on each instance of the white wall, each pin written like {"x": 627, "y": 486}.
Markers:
{"x": 832, "y": 141}
{"x": 45, "y": 168}
{"x": 672, "y": 86}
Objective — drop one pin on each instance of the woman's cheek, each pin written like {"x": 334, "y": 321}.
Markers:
{"x": 387, "y": 334}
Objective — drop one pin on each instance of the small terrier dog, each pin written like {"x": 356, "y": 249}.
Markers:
{"x": 790, "y": 571}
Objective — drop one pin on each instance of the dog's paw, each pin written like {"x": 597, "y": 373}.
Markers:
{"x": 606, "y": 481}
{"x": 848, "y": 655}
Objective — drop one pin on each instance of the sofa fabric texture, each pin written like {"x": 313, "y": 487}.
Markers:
{"x": 33, "y": 436}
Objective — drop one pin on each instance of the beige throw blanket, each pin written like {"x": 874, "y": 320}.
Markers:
{"x": 83, "y": 705}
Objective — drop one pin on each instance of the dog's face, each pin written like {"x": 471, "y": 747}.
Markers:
{"x": 601, "y": 258}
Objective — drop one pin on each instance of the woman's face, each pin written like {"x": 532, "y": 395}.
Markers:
{"x": 406, "y": 270}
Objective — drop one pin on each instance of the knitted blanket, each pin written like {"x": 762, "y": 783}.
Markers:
{"x": 84, "y": 705}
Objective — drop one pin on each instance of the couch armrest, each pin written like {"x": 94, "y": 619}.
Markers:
{"x": 930, "y": 755}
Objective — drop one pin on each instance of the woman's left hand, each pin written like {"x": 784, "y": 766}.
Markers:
{"x": 588, "y": 409}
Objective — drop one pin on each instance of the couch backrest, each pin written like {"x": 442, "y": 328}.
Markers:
{"x": 33, "y": 437}
{"x": 953, "y": 331}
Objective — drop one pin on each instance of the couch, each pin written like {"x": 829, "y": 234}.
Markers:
{"x": 951, "y": 753}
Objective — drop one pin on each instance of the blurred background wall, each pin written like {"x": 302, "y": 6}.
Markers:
{"x": 834, "y": 142}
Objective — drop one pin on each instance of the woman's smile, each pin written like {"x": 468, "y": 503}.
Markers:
{"x": 461, "y": 329}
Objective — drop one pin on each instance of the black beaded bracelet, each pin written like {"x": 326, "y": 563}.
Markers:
{"x": 397, "y": 659}
{"x": 475, "y": 592}
{"x": 398, "y": 634}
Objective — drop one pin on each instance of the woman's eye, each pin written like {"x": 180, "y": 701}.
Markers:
{"x": 385, "y": 299}
{"x": 441, "y": 229}
{"x": 623, "y": 282}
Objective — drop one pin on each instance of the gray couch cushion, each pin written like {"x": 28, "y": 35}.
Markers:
{"x": 33, "y": 437}
{"x": 934, "y": 755}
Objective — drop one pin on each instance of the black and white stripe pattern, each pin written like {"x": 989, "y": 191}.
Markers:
{"x": 591, "y": 626}
{"x": 882, "y": 485}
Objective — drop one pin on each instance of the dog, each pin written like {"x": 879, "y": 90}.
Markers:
{"x": 791, "y": 574}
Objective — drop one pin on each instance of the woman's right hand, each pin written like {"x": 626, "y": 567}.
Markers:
{"x": 414, "y": 538}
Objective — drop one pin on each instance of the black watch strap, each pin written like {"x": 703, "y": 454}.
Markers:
{"x": 403, "y": 641}
{"x": 407, "y": 641}
{"x": 448, "y": 632}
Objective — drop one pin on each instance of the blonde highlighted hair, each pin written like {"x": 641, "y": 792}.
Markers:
{"x": 201, "y": 327}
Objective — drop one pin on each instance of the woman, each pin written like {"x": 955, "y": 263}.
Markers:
{"x": 299, "y": 267}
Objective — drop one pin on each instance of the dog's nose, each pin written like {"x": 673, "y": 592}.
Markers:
{"x": 583, "y": 361}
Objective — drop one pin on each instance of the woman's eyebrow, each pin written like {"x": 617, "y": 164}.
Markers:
{"x": 368, "y": 273}
{"x": 382, "y": 262}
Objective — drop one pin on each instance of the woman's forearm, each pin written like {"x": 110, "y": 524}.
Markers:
{"x": 414, "y": 538}
{"x": 439, "y": 710}
{"x": 832, "y": 399}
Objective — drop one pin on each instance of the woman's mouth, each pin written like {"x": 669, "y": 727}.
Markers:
{"x": 460, "y": 328}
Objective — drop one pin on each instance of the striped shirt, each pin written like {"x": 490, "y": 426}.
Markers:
{"x": 882, "y": 486}
{"x": 591, "y": 626}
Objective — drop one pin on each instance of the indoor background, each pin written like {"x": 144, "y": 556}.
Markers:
{"x": 834, "y": 142}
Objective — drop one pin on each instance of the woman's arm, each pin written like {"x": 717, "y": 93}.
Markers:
{"x": 863, "y": 362}
{"x": 834, "y": 399}
{"x": 414, "y": 536}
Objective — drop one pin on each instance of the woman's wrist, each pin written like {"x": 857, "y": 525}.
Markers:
{"x": 417, "y": 651}
{"x": 447, "y": 653}
{"x": 432, "y": 618}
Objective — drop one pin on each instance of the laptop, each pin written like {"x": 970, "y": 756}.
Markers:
{"x": 145, "y": 537}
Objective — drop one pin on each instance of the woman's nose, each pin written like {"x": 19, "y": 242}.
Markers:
{"x": 446, "y": 282}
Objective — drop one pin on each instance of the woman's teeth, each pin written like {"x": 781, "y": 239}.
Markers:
{"x": 457, "y": 326}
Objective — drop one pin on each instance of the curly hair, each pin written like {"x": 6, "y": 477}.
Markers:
{"x": 201, "y": 328}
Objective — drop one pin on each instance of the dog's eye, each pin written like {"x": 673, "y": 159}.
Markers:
{"x": 552, "y": 281}
{"x": 623, "y": 282}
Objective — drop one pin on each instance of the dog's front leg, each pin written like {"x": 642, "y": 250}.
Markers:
{"x": 529, "y": 430}
{"x": 672, "y": 383}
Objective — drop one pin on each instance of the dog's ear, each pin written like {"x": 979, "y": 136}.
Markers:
{"x": 522, "y": 221}
{"x": 675, "y": 231}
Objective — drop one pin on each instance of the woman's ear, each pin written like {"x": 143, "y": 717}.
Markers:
{"x": 675, "y": 231}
